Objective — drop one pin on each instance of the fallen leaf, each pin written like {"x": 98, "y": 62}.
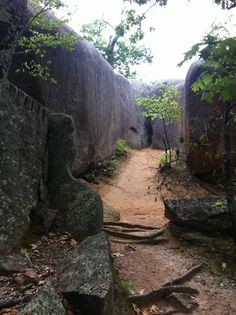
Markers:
{"x": 73, "y": 243}
{"x": 153, "y": 308}
{"x": 28, "y": 276}
{"x": 118, "y": 255}
{"x": 137, "y": 310}
{"x": 36, "y": 245}
{"x": 141, "y": 291}
{"x": 224, "y": 266}
{"x": 64, "y": 237}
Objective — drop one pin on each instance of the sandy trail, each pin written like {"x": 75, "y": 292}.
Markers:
{"x": 133, "y": 192}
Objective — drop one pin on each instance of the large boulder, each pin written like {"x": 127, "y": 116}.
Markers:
{"x": 87, "y": 280}
{"x": 80, "y": 206}
{"x": 203, "y": 126}
{"x": 144, "y": 140}
{"x": 99, "y": 100}
{"x": 45, "y": 302}
{"x": 15, "y": 263}
{"x": 23, "y": 136}
{"x": 209, "y": 215}
{"x": 13, "y": 18}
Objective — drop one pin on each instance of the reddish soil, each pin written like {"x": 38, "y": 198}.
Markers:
{"x": 136, "y": 192}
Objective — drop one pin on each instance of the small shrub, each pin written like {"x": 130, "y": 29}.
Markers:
{"x": 121, "y": 148}
{"x": 107, "y": 167}
{"x": 164, "y": 159}
{"x": 123, "y": 284}
{"x": 90, "y": 177}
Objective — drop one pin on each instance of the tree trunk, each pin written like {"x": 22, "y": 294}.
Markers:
{"x": 167, "y": 142}
{"x": 110, "y": 50}
{"x": 228, "y": 167}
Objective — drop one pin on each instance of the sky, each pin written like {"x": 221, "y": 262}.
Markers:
{"x": 179, "y": 25}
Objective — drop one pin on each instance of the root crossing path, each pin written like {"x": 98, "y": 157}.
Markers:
{"x": 134, "y": 193}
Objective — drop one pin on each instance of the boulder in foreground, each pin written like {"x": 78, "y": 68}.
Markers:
{"x": 46, "y": 302}
{"x": 87, "y": 279}
{"x": 208, "y": 215}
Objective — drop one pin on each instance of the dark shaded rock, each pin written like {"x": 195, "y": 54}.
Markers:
{"x": 87, "y": 280}
{"x": 79, "y": 205}
{"x": 15, "y": 263}
{"x": 198, "y": 239}
{"x": 42, "y": 218}
{"x": 99, "y": 101}
{"x": 13, "y": 18}
{"x": 46, "y": 302}
{"x": 144, "y": 140}
{"x": 207, "y": 215}
{"x": 205, "y": 155}
{"x": 23, "y": 136}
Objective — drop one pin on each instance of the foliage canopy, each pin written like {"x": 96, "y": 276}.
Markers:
{"x": 166, "y": 108}
{"x": 41, "y": 33}
{"x": 122, "y": 48}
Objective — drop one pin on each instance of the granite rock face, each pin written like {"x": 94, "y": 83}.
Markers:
{"x": 13, "y": 18}
{"x": 208, "y": 215}
{"x": 80, "y": 207}
{"x": 87, "y": 279}
{"x": 144, "y": 140}
{"x": 204, "y": 135}
{"x": 99, "y": 101}
{"x": 15, "y": 263}
{"x": 46, "y": 302}
{"x": 23, "y": 136}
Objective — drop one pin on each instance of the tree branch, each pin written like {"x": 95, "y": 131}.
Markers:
{"x": 109, "y": 24}
{"x": 153, "y": 5}
{"x": 42, "y": 10}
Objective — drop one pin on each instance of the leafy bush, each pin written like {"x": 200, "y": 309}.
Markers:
{"x": 107, "y": 167}
{"x": 164, "y": 159}
{"x": 121, "y": 148}
{"x": 90, "y": 176}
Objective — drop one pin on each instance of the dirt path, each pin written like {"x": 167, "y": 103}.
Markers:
{"x": 134, "y": 193}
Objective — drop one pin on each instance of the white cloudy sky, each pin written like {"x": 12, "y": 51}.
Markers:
{"x": 178, "y": 26}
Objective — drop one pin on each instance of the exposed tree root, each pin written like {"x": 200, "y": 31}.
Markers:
{"x": 130, "y": 225}
{"x": 126, "y": 230}
{"x": 132, "y": 236}
{"x": 166, "y": 312}
{"x": 191, "y": 272}
{"x": 161, "y": 292}
{"x": 168, "y": 288}
{"x": 14, "y": 302}
{"x": 148, "y": 242}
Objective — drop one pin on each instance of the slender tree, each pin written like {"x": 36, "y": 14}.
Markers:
{"x": 166, "y": 108}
